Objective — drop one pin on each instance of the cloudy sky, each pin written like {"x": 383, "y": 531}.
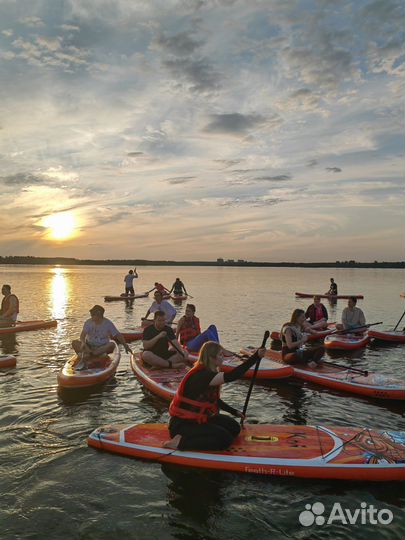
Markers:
{"x": 195, "y": 129}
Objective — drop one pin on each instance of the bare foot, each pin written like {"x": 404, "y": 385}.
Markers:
{"x": 312, "y": 365}
{"x": 172, "y": 443}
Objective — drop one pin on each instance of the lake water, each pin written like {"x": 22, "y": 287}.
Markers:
{"x": 53, "y": 486}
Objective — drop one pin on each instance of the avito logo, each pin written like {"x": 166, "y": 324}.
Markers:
{"x": 366, "y": 514}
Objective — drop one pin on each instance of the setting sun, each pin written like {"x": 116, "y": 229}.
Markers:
{"x": 61, "y": 226}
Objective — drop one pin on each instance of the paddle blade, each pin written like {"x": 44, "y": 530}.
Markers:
{"x": 265, "y": 338}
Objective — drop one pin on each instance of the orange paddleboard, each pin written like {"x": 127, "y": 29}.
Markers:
{"x": 26, "y": 326}
{"x": 7, "y": 360}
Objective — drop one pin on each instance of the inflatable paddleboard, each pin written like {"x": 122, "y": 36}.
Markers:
{"x": 26, "y": 326}
{"x": 375, "y": 385}
{"x": 162, "y": 382}
{"x": 346, "y": 342}
{"x": 132, "y": 335}
{"x": 99, "y": 370}
{"x": 331, "y": 296}
{"x": 7, "y": 360}
{"x": 343, "y": 453}
{"x": 179, "y": 297}
{"x": 391, "y": 336}
{"x": 125, "y": 297}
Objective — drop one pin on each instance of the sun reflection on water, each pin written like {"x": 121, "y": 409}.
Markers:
{"x": 59, "y": 293}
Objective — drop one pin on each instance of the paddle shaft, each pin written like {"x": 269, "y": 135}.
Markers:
{"x": 252, "y": 381}
{"x": 399, "y": 321}
{"x": 362, "y": 371}
{"x": 349, "y": 330}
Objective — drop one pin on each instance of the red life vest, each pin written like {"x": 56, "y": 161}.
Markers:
{"x": 6, "y": 304}
{"x": 203, "y": 407}
{"x": 190, "y": 329}
{"x": 160, "y": 288}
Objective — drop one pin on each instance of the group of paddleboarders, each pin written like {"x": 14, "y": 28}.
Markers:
{"x": 178, "y": 287}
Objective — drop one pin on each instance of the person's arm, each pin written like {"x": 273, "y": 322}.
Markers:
{"x": 239, "y": 371}
{"x": 308, "y": 313}
{"x": 147, "y": 314}
{"x": 184, "y": 288}
{"x": 227, "y": 408}
{"x": 179, "y": 327}
{"x": 362, "y": 318}
{"x": 178, "y": 347}
{"x": 12, "y": 307}
{"x": 120, "y": 338}
{"x": 325, "y": 312}
{"x": 171, "y": 312}
{"x": 135, "y": 273}
{"x": 149, "y": 343}
{"x": 83, "y": 336}
{"x": 151, "y": 290}
{"x": 170, "y": 292}
{"x": 344, "y": 319}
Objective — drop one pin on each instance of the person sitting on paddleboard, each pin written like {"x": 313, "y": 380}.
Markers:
{"x": 333, "y": 290}
{"x": 352, "y": 316}
{"x": 189, "y": 333}
{"x": 317, "y": 314}
{"x": 293, "y": 341}
{"x": 162, "y": 305}
{"x": 129, "y": 282}
{"x": 160, "y": 288}
{"x": 195, "y": 422}
{"x": 10, "y": 306}
{"x": 177, "y": 288}
{"x": 156, "y": 340}
{"x": 96, "y": 336}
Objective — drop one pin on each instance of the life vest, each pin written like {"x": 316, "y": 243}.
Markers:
{"x": 6, "y": 304}
{"x": 200, "y": 409}
{"x": 190, "y": 329}
{"x": 160, "y": 288}
{"x": 296, "y": 335}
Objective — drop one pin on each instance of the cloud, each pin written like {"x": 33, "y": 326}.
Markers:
{"x": 277, "y": 178}
{"x": 181, "y": 44}
{"x": 135, "y": 154}
{"x": 198, "y": 73}
{"x": 179, "y": 180}
{"x": 32, "y": 22}
{"x": 333, "y": 169}
{"x": 234, "y": 123}
{"x": 312, "y": 163}
{"x": 7, "y": 33}
{"x": 70, "y": 27}
{"x": 23, "y": 179}
{"x": 228, "y": 162}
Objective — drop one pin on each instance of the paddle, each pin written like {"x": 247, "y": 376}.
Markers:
{"x": 356, "y": 370}
{"x": 350, "y": 330}
{"x": 265, "y": 338}
{"x": 399, "y": 321}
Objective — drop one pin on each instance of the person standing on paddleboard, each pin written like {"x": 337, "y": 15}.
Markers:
{"x": 156, "y": 340}
{"x": 10, "y": 306}
{"x": 162, "y": 305}
{"x": 333, "y": 289}
{"x": 352, "y": 316}
{"x": 129, "y": 282}
{"x": 195, "y": 422}
{"x": 317, "y": 314}
{"x": 96, "y": 336}
{"x": 293, "y": 341}
{"x": 177, "y": 288}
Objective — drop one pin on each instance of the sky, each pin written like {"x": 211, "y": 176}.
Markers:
{"x": 196, "y": 129}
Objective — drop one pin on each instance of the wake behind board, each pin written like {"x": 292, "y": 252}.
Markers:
{"x": 343, "y": 453}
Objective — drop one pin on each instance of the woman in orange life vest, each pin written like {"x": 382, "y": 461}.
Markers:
{"x": 293, "y": 339}
{"x": 195, "y": 422}
{"x": 9, "y": 306}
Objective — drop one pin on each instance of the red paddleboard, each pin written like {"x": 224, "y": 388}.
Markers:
{"x": 311, "y": 337}
{"x": 374, "y": 385}
{"x": 344, "y": 453}
{"x": 162, "y": 382}
{"x": 26, "y": 326}
{"x": 393, "y": 336}
{"x": 7, "y": 360}
{"x": 99, "y": 370}
{"x": 133, "y": 335}
{"x": 179, "y": 297}
{"x": 331, "y": 296}
{"x": 125, "y": 297}
{"x": 346, "y": 342}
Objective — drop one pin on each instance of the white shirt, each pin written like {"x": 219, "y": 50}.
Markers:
{"x": 169, "y": 311}
{"x": 99, "y": 334}
{"x": 129, "y": 280}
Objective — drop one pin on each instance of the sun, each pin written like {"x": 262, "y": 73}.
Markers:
{"x": 60, "y": 226}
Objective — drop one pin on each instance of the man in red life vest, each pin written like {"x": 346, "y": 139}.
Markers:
{"x": 9, "y": 306}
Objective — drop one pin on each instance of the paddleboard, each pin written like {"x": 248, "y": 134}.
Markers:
{"x": 344, "y": 453}
{"x": 26, "y": 326}
{"x": 99, "y": 370}
{"x": 331, "y": 296}
{"x": 132, "y": 335}
{"x": 7, "y": 360}
{"x": 179, "y": 297}
{"x": 346, "y": 342}
{"x": 125, "y": 297}
{"x": 375, "y": 385}
{"x": 393, "y": 336}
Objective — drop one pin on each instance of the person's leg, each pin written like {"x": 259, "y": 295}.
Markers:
{"x": 153, "y": 359}
{"x": 193, "y": 436}
{"x": 104, "y": 349}
{"x": 177, "y": 360}
{"x": 319, "y": 325}
{"x": 227, "y": 422}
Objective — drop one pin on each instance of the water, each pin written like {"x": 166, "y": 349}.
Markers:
{"x": 54, "y": 486}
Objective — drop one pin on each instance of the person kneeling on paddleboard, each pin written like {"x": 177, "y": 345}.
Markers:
{"x": 9, "y": 307}
{"x": 189, "y": 333}
{"x": 96, "y": 336}
{"x": 156, "y": 340}
{"x": 293, "y": 341}
{"x": 195, "y": 422}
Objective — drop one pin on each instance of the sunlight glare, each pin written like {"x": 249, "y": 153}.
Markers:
{"x": 61, "y": 226}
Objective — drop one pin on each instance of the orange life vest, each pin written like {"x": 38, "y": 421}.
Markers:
{"x": 202, "y": 408}
{"x": 190, "y": 329}
{"x": 6, "y": 304}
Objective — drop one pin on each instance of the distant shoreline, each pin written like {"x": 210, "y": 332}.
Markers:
{"x": 229, "y": 263}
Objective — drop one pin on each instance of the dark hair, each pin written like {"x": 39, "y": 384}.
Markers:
{"x": 97, "y": 309}
{"x": 130, "y": 272}
{"x": 332, "y": 279}
{"x": 191, "y": 306}
{"x": 8, "y": 287}
{"x": 159, "y": 313}
{"x": 353, "y": 299}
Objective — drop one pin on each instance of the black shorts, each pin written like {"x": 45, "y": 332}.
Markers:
{"x": 129, "y": 290}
